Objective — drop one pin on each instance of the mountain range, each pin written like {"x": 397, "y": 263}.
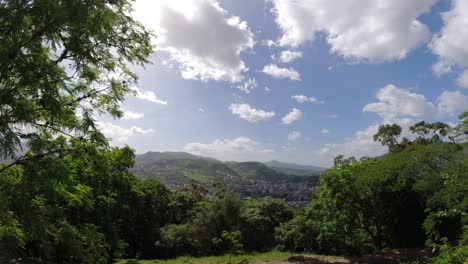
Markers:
{"x": 182, "y": 167}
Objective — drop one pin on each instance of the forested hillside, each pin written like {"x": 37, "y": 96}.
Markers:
{"x": 248, "y": 179}
{"x": 72, "y": 197}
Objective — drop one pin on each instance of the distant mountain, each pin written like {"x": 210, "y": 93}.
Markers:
{"x": 181, "y": 167}
{"x": 156, "y": 156}
{"x": 296, "y": 169}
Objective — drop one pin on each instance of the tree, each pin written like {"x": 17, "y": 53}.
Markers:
{"x": 340, "y": 161}
{"x": 387, "y": 135}
{"x": 298, "y": 234}
{"x": 212, "y": 218}
{"x": 428, "y": 133}
{"x": 460, "y": 131}
{"x": 176, "y": 240}
{"x": 62, "y": 62}
{"x": 80, "y": 197}
{"x": 259, "y": 220}
{"x": 230, "y": 242}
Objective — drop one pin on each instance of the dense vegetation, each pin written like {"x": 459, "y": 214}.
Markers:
{"x": 84, "y": 206}
{"x": 71, "y": 198}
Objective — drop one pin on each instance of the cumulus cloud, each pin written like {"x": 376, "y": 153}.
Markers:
{"x": 295, "y": 135}
{"x": 398, "y": 106}
{"x": 248, "y": 85}
{"x": 360, "y": 144}
{"x": 463, "y": 79}
{"x": 396, "y": 103}
{"x": 452, "y": 103}
{"x": 120, "y": 134}
{"x": 132, "y": 115}
{"x": 148, "y": 96}
{"x": 269, "y": 43}
{"x": 450, "y": 43}
{"x": 324, "y": 131}
{"x": 306, "y": 99}
{"x": 281, "y": 73}
{"x": 292, "y": 116}
{"x": 287, "y": 56}
{"x": 202, "y": 37}
{"x": 240, "y": 149}
{"x": 252, "y": 115}
{"x": 366, "y": 30}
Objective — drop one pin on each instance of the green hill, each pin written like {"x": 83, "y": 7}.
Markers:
{"x": 181, "y": 167}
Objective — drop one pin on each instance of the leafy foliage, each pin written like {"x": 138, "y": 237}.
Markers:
{"x": 414, "y": 195}
{"x": 61, "y": 63}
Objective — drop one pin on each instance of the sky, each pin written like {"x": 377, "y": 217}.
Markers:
{"x": 292, "y": 80}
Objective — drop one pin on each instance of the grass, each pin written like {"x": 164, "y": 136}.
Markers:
{"x": 260, "y": 257}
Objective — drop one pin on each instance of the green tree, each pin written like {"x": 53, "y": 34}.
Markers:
{"x": 460, "y": 131}
{"x": 229, "y": 242}
{"x": 62, "y": 62}
{"x": 149, "y": 211}
{"x": 298, "y": 234}
{"x": 176, "y": 240}
{"x": 387, "y": 135}
{"x": 259, "y": 220}
{"x": 428, "y": 133}
{"x": 212, "y": 218}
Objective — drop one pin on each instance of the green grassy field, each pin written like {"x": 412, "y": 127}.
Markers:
{"x": 261, "y": 257}
{"x": 274, "y": 257}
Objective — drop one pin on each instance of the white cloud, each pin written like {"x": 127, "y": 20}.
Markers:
{"x": 450, "y": 43}
{"x": 398, "y": 106}
{"x": 324, "y": 131}
{"x": 241, "y": 149}
{"x": 333, "y": 116}
{"x": 287, "y": 56}
{"x": 395, "y": 102}
{"x": 267, "y": 89}
{"x": 248, "y": 85}
{"x": 361, "y": 144}
{"x": 148, "y": 96}
{"x": 201, "y": 110}
{"x": 463, "y": 79}
{"x": 292, "y": 116}
{"x": 202, "y": 37}
{"x": 452, "y": 103}
{"x": 120, "y": 134}
{"x": 132, "y": 115}
{"x": 366, "y": 30}
{"x": 295, "y": 135}
{"x": 281, "y": 73}
{"x": 304, "y": 99}
{"x": 269, "y": 43}
{"x": 246, "y": 112}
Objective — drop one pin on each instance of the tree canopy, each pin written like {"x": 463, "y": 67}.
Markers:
{"x": 62, "y": 62}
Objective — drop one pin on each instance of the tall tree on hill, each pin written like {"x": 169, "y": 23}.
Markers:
{"x": 387, "y": 135}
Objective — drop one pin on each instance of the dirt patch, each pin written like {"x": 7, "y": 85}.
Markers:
{"x": 386, "y": 257}
{"x": 316, "y": 259}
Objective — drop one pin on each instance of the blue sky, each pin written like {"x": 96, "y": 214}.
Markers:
{"x": 294, "y": 80}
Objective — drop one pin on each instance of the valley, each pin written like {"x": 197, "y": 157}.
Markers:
{"x": 177, "y": 170}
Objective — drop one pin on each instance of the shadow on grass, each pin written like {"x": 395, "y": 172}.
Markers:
{"x": 387, "y": 257}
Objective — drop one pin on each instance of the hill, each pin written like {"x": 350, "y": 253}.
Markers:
{"x": 172, "y": 167}
{"x": 178, "y": 169}
{"x": 296, "y": 169}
